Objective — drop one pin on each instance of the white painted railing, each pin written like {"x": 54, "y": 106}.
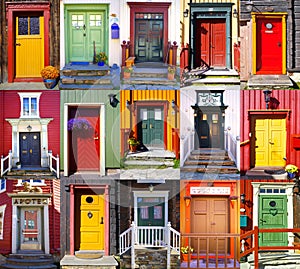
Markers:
{"x": 150, "y": 236}
{"x": 232, "y": 147}
{"x": 6, "y": 162}
{"x": 56, "y": 160}
{"x": 186, "y": 146}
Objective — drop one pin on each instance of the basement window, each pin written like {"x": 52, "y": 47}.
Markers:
{"x": 30, "y": 105}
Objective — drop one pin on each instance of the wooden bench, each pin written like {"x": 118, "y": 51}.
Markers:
{"x": 130, "y": 61}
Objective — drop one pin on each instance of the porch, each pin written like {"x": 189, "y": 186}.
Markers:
{"x": 161, "y": 242}
{"x": 8, "y": 168}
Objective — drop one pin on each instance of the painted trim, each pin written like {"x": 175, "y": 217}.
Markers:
{"x": 101, "y": 107}
{"x": 11, "y": 9}
{"x": 155, "y": 8}
{"x": 289, "y": 193}
{"x": 164, "y": 194}
{"x": 264, "y": 15}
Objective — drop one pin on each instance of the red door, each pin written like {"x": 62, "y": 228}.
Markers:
{"x": 269, "y": 46}
{"x": 84, "y": 146}
{"x": 210, "y": 43}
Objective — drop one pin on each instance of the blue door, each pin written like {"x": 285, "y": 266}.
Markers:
{"x": 30, "y": 150}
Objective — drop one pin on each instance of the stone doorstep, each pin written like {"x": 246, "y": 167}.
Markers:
{"x": 209, "y": 162}
{"x": 72, "y": 262}
{"x": 89, "y": 254}
{"x": 87, "y": 80}
{"x": 210, "y": 169}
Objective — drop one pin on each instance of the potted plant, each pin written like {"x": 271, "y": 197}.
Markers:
{"x": 291, "y": 170}
{"x": 79, "y": 124}
{"x": 50, "y": 75}
{"x": 133, "y": 143}
{"x": 127, "y": 71}
{"x": 101, "y": 58}
{"x": 185, "y": 251}
{"x": 18, "y": 164}
{"x": 171, "y": 72}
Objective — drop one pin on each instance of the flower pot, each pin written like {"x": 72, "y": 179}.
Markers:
{"x": 291, "y": 175}
{"x": 171, "y": 76}
{"x": 126, "y": 75}
{"x": 50, "y": 83}
{"x": 101, "y": 63}
{"x": 185, "y": 257}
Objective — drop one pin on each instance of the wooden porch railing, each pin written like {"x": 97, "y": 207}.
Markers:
{"x": 150, "y": 236}
{"x": 126, "y": 51}
{"x": 253, "y": 236}
{"x": 6, "y": 163}
{"x": 225, "y": 248}
{"x": 54, "y": 168}
{"x": 184, "y": 56}
{"x": 175, "y": 142}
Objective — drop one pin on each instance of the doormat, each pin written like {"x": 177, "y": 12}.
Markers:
{"x": 80, "y": 63}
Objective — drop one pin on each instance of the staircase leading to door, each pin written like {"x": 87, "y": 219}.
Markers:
{"x": 209, "y": 161}
{"x": 27, "y": 260}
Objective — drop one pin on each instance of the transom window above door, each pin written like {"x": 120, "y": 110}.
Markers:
{"x": 28, "y": 25}
{"x": 29, "y": 105}
{"x": 148, "y": 16}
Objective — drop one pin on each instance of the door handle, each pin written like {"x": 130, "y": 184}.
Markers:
{"x": 262, "y": 221}
{"x": 271, "y": 143}
{"x": 212, "y": 223}
{"x": 101, "y": 222}
{"x": 18, "y": 44}
{"x": 30, "y": 151}
{"x": 96, "y": 138}
{"x": 279, "y": 44}
{"x": 151, "y": 126}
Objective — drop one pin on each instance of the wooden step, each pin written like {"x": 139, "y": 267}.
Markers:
{"x": 196, "y": 162}
{"x": 210, "y": 169}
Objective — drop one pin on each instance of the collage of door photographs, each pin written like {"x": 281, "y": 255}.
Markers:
{"x": 159, "y": 134}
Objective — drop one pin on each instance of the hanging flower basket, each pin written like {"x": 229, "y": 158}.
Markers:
{"x": 79, "y": 125}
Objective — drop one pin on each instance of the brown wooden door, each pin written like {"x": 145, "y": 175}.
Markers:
{"x": 210, "y": 215}
{"x": 84, "y": 146}
{"x": 149, "y": 40}
{"x": 210, "y": 43}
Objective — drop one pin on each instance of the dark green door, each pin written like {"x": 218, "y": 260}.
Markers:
{"x": 85, "y": 29}
{"x": 272, "y": 214}
{"x": 149, "y": 37}
{"x": 151, "y": 126}
{"x": 30, "y": 153}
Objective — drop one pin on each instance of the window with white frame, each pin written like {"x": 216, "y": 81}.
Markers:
{"x": 2, "y": 211}
{"x": 30, "y": 104}
{"x": 2, "y": 185}
{"x": 33, "y": 182}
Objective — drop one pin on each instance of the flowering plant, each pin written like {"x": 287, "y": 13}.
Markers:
{"x": 79, "y": 125}
{"x": 133, "y": 141}
{"x": 290, "y": 168}
{"x": 186, "y": 249}
{"x": 49, "y": 72}
{"x": 171, "y": 69}
{"x": 101, "y": 57}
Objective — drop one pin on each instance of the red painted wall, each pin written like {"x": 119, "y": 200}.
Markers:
{"x": 49, "y": 108}
{"x": 1, "y": 122}
{"x": 254, "y": 100}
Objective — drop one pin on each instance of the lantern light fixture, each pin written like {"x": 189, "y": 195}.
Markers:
{"x": 267, "y": 94}
{"x": 186, "y": 13}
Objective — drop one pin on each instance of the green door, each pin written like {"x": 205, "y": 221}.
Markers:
{"x": 84, "y": 30}
{"x": 149, "y": 37}
{"x": 272, "y": 214}
{"x": 151, "y": 126}
{"x": 151, "y": 211}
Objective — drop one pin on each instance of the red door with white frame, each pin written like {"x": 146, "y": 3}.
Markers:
{"x": 269, "y": 46}
{"x": 84, "y": 146}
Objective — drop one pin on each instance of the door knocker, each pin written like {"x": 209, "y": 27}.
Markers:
{"x": 90, "y": 215}
{"x": 273, "y": 211}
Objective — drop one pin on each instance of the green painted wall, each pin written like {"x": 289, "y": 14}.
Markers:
{"x": 112, "y": 121}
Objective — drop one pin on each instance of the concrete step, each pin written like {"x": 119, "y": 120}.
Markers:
{"x": 210, "y": 169}
{"x": 205, "y": 161}
{"x": 149, "y": 72}
{"x": 150, "y": 81}
{"x": 86, "y": 80}
{"x": 86, "y": 87}
{"x": 148, "y": 164}
{"x": 85, "y": 70}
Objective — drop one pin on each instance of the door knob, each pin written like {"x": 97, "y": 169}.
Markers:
{"x": 151, "y": 126}
{"x": 279, "y": 44}
{"x": 30, "y": 151}
{"x": 96, "y": 138}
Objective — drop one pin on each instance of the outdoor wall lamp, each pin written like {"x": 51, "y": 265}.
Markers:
{"x": 249, "y": 5}
{"x": 243, "y": 198}
{"x": 267, "y": 94}
{"x": 29, "y": 128}
{"x": 151, "y": 188}
{"x": 113, "y": 100}
{"x": 235, "y": 14}
{"x": 187, "y": 200}
{"x": 186, "y": 13}
{"x": 128, "y": 104}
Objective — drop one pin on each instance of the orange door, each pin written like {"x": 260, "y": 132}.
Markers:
{"x": 85, "y": 147}
{"x": 269, "y": 46}
{"x": 210, "y": 43}
{"x": 210, "y": 215}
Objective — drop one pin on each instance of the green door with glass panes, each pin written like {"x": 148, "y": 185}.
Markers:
{"x": 86, "y": 34}
{"x": 272, "y": 214}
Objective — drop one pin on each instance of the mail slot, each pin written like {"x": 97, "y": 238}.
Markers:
{"x": 24, "y": 151}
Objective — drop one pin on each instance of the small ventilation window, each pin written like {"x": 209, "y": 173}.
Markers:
{"x": 89, "y": 199}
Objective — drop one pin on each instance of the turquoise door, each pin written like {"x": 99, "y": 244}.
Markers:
{"x": 85, "y": 32}
{"x": 272, "y": 214}
{"x": 151, "y": 126}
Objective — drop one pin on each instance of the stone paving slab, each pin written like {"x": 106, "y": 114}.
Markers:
{"x": 210, "y": 176}
{"x": 71, "y": 260}
{"x": 150, "y": 174}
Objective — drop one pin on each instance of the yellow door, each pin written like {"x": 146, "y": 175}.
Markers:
{"x": 270, "y": 143}
{"x": 29, "y": 46}
{"x": 92, "y": 222}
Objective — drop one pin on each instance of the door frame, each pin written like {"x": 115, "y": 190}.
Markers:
{"x": 12, "y": 9}
{"x": 265, "y": 15}
{"x": 288, "y": 187}
{"x": 101, "y": 107}
{"x": 266, "y": 114}
{"x": 84, "y": 8}
{"x": 145, "y": 8}
{"x": 140, "y": 104}
{"x": 74, "y": 189}
{"x": 161, "y": 194}
{"x": 21, "y": 200}
{"x": 211, "y": 11}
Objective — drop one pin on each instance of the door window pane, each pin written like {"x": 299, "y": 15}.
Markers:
{"x": 23, "y": 25}
{"x": 157, "y": 114}
{"x": 30, "y": 226}
{"x": 143, "y": 114}
{"x": 33, "y": 106}
{"x": 95, "y": 20}
{"x": 25, "y": 106}
{"x": 34, "y": 25}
